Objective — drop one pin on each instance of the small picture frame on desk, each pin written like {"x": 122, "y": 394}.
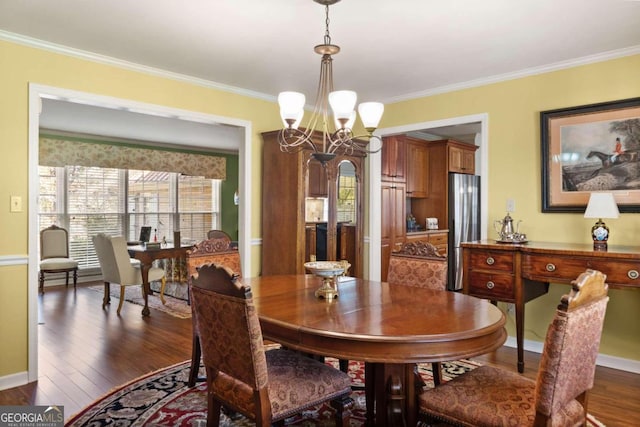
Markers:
{"x": 590, "y": 148}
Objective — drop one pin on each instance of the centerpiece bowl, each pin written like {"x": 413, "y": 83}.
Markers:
{"x": 328, "y": 270}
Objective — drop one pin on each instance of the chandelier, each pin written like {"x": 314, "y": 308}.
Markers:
{"x": 337, "y": 137}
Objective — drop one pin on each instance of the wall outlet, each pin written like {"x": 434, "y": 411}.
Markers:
{"x": 16, "y": 204}
{"x": 511, "y": 205}
{"x": 511, "y": 308}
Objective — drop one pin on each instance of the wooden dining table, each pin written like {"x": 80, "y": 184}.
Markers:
{"x": 146, "y": 256}
{"x": 391, "y": 328}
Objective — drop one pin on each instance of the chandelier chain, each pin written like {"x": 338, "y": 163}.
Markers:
{"x": 327, "y": 36}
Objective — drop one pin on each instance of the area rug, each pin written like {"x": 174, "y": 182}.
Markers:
{"x": 174, "y": 306}
{"x": 162, "y": 398}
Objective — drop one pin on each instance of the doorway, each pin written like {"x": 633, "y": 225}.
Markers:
{"x": 38, "y": 93}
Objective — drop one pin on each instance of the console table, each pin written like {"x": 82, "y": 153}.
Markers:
{"x": 517, "y": 273}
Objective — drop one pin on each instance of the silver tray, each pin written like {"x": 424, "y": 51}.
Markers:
{"x": 512, "y": 241}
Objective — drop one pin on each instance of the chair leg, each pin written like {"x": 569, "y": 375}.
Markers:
{"x": 164, "y": 283}
{"x": 75, "y": 278}
{"x": 121, "y": 299}
{"x": 213, "y": 411}
{"x": 344, "y": 365}
{"x": 195, "y": 361}
{"x": 436, "y": 368}
{"x": 106, "y": 299}
{"x": 343, "y": 406}
{"x": 41, "y": 284}
{"x": 66, "y": 279}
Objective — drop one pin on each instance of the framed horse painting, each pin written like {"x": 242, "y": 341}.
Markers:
{"x": 591, "y": 148}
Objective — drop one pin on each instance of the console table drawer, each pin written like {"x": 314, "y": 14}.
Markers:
{"x": 566, "y": 269}
{"x": 494, "y": 260}
{"x": 497, "y": 287}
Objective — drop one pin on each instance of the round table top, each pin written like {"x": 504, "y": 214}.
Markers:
{"x": 376, "y": 322}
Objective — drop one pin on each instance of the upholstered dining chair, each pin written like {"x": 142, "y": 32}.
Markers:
{"x": 54, "y": 255}
{"x": 489, "y": 396}
{"x": 419, "y": 263}
{"x": 116, "y": 267}
{"x": 265, "y": 386}
{"x": 215, "y": 250}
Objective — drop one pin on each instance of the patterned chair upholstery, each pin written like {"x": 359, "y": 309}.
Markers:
{"x": 215, "y": 250}
{"x": 265, "y": 386}
{"x": 419, "y": 264}
{"x": 489, "y": 396}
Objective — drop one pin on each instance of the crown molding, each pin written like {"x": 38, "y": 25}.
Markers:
{"x": 108, "y": 60}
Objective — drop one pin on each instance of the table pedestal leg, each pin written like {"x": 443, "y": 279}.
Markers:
{"x": 394, "y": 394}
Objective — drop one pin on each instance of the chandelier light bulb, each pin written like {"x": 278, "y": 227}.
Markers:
{"x": 291, "y": 106}
{"x": 370, "y": 114}
{"x": 343, "y": 103}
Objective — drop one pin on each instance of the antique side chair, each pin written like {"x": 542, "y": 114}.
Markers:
{"x": 489, "y": 396}
{"x": 54, "y": 255}
{"x": 265, "y": 386}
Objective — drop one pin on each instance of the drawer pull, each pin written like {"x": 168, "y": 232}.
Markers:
{"x": 633, "y": 274}
{"x": 490, "y": 285}
{"x": 490, "y": 260}
{"x": 550, "y": 267}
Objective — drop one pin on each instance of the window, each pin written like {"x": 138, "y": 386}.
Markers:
{"x": 91, "y": 200}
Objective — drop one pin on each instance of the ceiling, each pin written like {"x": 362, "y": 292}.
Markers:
{"x": 391, "y": 50}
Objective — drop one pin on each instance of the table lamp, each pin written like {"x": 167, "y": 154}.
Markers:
{"x": 601, "y": 205}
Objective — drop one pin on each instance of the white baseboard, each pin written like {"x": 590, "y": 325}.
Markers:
{"x": 605, "y": 360}
{"x": 13, "y": 380}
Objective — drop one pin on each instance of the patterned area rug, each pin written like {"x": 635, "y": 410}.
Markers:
{"x": 162, "y": 398}
{"x": 176, "y": 307}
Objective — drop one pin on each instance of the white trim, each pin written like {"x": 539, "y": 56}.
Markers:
{"x": 6, "y": 260}
{"x": 576, "y": 62}
{"x": 36, "y": 92}
{"x": 13, "y": 380}
{"x": 375, "y": 167}
{"x": 614, "y": 362}
{"x": 107, "y": 60}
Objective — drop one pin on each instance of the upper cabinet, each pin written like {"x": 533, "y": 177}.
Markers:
{"x": 317, "y": 179}
{"x": 417, "y": 168}
{"x": 394, "y": 158}
{"x": 462, "y": 157}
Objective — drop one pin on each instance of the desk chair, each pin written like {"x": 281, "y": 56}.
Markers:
{"x": 265, "y": 386}
{"x": 489, "y": 396}
{"x": 54, "y": 255}
{"x": 116, "y": 267}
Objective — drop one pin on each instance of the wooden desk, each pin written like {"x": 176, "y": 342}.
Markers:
{"x": 521, "y": 272}
{"x": 390, "y": 327}
{"x": 146, "y": 257}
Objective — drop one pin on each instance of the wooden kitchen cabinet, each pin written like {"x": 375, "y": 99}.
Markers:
{"x": 318, "y": 185}
{"x": 417, "y": 168}
{"x": 438, "y": 238}
{"x": 393, "y": 219}
{"x": 394, "y": 158}
{"x": 462, "y": 158}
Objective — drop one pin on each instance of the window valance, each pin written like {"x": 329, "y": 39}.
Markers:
{"x": 58, "y": 151}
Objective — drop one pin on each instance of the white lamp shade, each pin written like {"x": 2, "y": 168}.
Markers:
{"x": 602, "y": 205}
{"x": 370, "y": 114}
{"x": 291, "y": 105}
{"x": 350, "y": 122}
{"x": 343, "y": 102}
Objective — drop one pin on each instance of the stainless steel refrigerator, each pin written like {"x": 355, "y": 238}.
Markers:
{"x": 464, "y": 221}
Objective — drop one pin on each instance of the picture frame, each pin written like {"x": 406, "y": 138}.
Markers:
{"x": 590, "y": 148}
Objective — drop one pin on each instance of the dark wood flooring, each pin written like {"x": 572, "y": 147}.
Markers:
{"x": 84, "y": 352}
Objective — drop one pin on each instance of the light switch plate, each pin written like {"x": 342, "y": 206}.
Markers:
{"x": 16, "y": 204}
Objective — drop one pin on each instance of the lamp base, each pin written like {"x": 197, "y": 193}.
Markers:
{"x": 600, "y": 235}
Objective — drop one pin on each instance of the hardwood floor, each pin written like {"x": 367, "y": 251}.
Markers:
{"x": 84, "y": 352}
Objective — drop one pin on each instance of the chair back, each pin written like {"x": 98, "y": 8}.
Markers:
{"x": 114, "y": 260}
{"x": 418, "y": 264}
{"x": 230, "y": 335}
{"x": 568, "y": 362}
{"x": 216, "y": 250}
{"x": 54, "y": 242}
{"x": 218, "y": 234}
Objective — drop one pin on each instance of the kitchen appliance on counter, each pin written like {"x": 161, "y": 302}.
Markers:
{"x": 464, "y": 222}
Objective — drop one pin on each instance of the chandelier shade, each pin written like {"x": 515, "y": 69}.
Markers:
{"x": 337, "y": 134}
